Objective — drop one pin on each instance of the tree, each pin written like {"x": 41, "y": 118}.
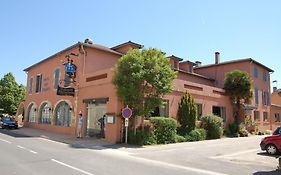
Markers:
{"x": 238, "y": 86}
{"x": 142, "y": 77}
{"x": 11, "y": 94}
{"x": 187, "y": 113}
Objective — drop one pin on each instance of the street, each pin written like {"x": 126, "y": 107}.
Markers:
{"x": 24, "y": 155}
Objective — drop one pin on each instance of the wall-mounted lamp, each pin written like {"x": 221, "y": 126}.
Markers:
{"x": 73, "y": 54}
{"x": 70, "y": 109}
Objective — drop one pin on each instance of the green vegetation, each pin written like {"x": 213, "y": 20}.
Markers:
{"x": 196, "y": 135}
{"x": 238, "y": 86}
{"x": 187, "y": 114}
{"x": 213, "y": 125}
{"x": 11, "y": 94}
{"x": 164, "y": 129}
{"x": 142, "y": 77}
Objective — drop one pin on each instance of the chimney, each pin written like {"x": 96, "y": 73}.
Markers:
{"x": 88, "y": 41}
{"x": 198, "y": 63}
{"x": 217, "y": 57}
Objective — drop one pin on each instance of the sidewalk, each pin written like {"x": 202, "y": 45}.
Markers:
{"x": 86, "y": 142}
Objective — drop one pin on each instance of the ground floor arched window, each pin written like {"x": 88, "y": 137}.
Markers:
{"x": 45, "y": 114}
{"x": 63, "y": 114}
{"x": 32, "y": 113}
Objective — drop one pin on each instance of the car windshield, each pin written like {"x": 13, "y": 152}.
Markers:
{"x": 7, "y": 119}
{"x": 277, "y": 131}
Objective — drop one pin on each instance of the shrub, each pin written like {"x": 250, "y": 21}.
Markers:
{"x": 141, "y": 138}
{"x": 196, "y": 135}
{"x": 187, "y": 114}
{"x": 213, "y": 125}
{"x": 180, "y": 138}
{"x": 164, "y": 129}
{"x": 243, "y": 132}
{"x": 234, "y": 128}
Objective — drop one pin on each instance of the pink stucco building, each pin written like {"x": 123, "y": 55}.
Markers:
{"x": 93, "y": 93}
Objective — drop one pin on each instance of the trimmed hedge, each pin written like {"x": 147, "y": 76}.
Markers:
{"x": 213, "y": 125}
{"x": 196, "y": 135}
{"x": 164, "y": 129}
{"x": 141, "y": 138}
{"x": 180, "y": 138}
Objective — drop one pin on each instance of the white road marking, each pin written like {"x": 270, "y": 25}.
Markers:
{"x": 72, "y": 167}
{"x": 5, "y": 141}
{"x": 34, "y": 152}
{"x": 235, "y": 154}
{"x": 21, "y": 147}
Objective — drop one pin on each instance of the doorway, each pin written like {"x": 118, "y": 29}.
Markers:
{"x": 95, "y": 112}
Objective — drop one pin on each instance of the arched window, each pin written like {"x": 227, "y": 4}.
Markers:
{"x": 45, "y": 114}
{"x": 31, "y": 113}
{"x": 63, "y": 114}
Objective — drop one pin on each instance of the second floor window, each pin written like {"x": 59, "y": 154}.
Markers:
{"x": 38, "y": 83}
{"x": 256, "y": 72}
{"x": 175, "y": 64}
{"x": 56, "y": 78}
{"x": 264, "y": 76}
{"x": 30, "y": 85}
{"x": 256, "y": 95}
{"x": 265, "y": 98}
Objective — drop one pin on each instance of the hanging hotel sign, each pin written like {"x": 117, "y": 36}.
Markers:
{"x": 65, "y": 91}
{"x": 69, "y": 78}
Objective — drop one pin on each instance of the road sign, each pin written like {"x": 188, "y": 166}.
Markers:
{"x": 127, "y": 112}
{"x": 126, "y": 122}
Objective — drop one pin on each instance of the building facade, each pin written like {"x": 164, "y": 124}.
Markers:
{"x": 79, "y": 78}
{"x": 275, "y": 108}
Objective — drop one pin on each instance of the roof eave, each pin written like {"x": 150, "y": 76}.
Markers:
{"x": 139, "y": 46}
{"x": 194, "y": 74}
{"x": 64, "y": 50}
{"x": 235, "y": 61}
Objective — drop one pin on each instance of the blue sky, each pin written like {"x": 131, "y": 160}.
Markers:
{"x": 33, "y": 30}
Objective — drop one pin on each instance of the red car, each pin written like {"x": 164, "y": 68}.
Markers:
{"x": 272, "y": 144}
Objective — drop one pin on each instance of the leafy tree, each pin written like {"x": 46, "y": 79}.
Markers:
{"x": 187, "y": 113}
{"x": 142, "y": 77}
{"x": 11, "y": 94}
{"x": 238, "y": 86}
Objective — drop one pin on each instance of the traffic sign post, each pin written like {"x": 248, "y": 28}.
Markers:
{"x": 126, "y": 125}
{"x": 127, "y": 113}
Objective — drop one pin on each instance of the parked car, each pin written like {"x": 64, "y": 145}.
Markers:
{"x": 272, "y": 144}
{"x": 8, "y": 122}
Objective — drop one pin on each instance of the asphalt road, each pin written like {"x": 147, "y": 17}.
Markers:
{"x": 32, "y": 155}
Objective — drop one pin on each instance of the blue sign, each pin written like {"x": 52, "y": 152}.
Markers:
{"x": 127, "y": 112}
{"x": 70, "y": 68}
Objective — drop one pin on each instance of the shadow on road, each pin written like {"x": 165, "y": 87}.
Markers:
{"x": 268, "y": 155}
{"x": 13, "y": 134}
{"x": 275, "y": 172}
{"x": 94, "y": 143}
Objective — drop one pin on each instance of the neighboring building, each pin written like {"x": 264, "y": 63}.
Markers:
{"x": 259, "y": 109}
{"x": 275, "y": 108}
{"x": 79, "y": 78}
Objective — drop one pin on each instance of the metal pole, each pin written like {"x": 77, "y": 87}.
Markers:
{"x": 126, "y": 125}
{"x": 126, "y": 137}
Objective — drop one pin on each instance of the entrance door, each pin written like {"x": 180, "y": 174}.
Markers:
{"x": 95, "y": 112}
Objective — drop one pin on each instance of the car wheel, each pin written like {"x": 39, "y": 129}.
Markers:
{"x": 271, "y": 149}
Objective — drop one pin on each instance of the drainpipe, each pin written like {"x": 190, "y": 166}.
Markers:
{"x": 84, "y": 58}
